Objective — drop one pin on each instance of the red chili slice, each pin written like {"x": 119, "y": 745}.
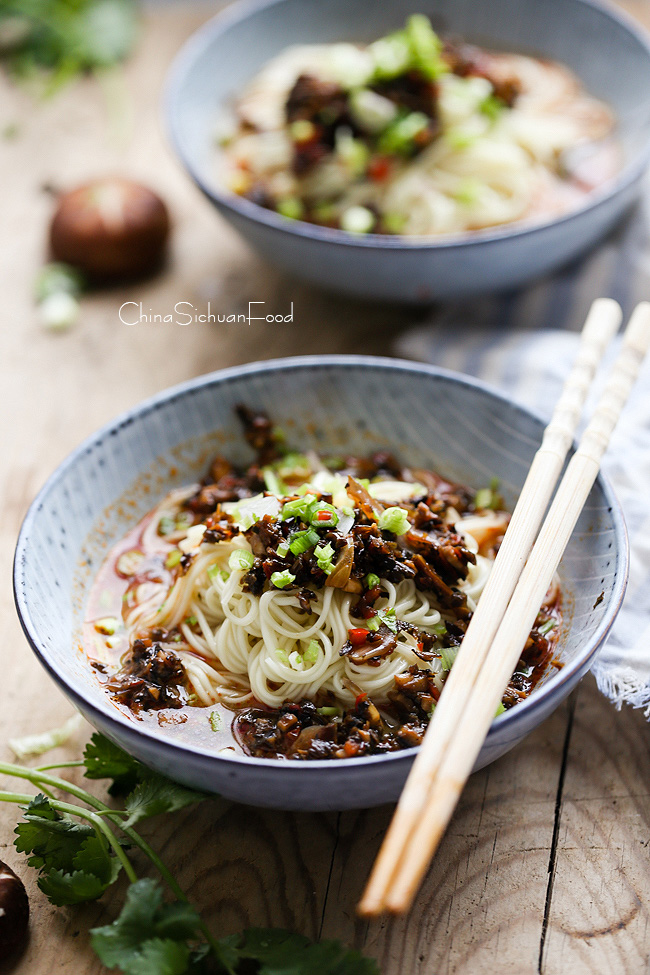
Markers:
{"x": 358, "y": 636}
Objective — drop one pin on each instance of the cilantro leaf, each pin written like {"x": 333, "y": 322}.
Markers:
{"x": 105, "y": 760}
{"x": 74, "y": 888}
{"x": 158, "y": 795}
{"x": 147, "y": 933}
{"x": 279, "y": 952}
{"x": 52, "y": 841}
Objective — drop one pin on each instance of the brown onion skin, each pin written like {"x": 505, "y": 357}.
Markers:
{"x": 112, "y": 230}
{"x": 14, "y": 910}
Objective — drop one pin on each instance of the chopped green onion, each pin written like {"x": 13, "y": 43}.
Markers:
{"x": 302, "y": 130}
{"x": 547, "y": 627}
{"x": 282, "y": 579}
{"x": 166, "y": 525}
{"x": 399, "y": 137}
{"x": 468, "y": 192}
{"x": 448, "y": 655}
{"x": 439, "y": 628}
{"x": 394, "y": 223}
{"x": 215, "y": 720}
{"x": 492, "y": 107}
{"x": 240, "y": 559}
{"x": 283, "y": 656}
{"x": 499, "y": 710}
{"x": 353, "y": 153}
{"x": 330, "y": 712}
{"x": 324, "y": 555}
{"x": 426, "y": 46}
{"x": 394, "y": 520}
{"x": 371, "y": 580}
{"x": 214, "y": 572}
{"x": 58, "y": 278}
{"x": 283, "y": 549}
{"x": 298, "y": 508}
{"x": 107, "y": 626}
{"x": 371, "y": 112}
{"x": 388, "y": 618}
{"x": 302, "y": 541}
{"x": 291, "y": 207}
{"x": 173, "y": 558}
{"x": 391, "y": 55}
{"x": 373, "y": 623}
{"x": 487, "y": 498}
{"x": 357, "y": 220}
{"x": 273, "y": 483}
{"x": 317, "y": 512}
{"x": 458, "y": 139}
{"x": 310, "y": 656}
{"x": 191, "y": 620}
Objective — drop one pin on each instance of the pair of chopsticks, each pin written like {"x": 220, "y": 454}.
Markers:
{"x": 522, "y": 573}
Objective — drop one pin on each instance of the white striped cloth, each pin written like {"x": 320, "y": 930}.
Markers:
{"x": 508, "y": 341}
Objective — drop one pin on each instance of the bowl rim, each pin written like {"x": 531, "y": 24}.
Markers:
{"x": 198, "y": 42}
{"x": 512, "y": 718}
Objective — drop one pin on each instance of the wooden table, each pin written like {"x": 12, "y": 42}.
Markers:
{"x": 545, "y": 866}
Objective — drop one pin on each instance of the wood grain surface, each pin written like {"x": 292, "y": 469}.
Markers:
{"x": 545, "y": 866}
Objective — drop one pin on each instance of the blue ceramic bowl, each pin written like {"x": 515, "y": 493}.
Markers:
{"x": 430, "y": 417}
{"x": 603, "y": 47}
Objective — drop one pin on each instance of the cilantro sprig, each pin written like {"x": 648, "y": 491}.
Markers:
{"x": 80, "y": 848}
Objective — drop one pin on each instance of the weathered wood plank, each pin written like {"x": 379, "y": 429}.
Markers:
{"x": 600, "y": 906}
{"x": 482, "y": 903}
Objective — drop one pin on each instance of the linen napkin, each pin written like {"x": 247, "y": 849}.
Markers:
{"x": 496, "y": 340}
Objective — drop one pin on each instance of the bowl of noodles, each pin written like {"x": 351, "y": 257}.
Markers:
{"x": 454, "y": 149}
{"x": 257, "y": 582}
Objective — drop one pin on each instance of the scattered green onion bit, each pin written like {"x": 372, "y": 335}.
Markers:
{"x": 492, "y": 107}
{"x": 302, "y": 541}
{"x": 499, "y": 710}
{"x": 320, "y": 522}
{"x": 214, "y": 572}
{"x": 547, "y": 627}
{"x": 173, "y": 558}
{"x": 215, "y": 720}
{"x": 388, "y": 618}
{"x": 488, "y": 497}
{"x": 191, "y": 620}
{"x": 282, "y": 579}
{"x": 357, "y": 220}
{"x": 240, "y": 559}
{"x": 324, "y": 555}
{"x": 371, "y": 580}
{"x": 283, "y": 656}
{"x": 394, "y": 520}
{"x": 283, "y": 549}
{"x": 399, "y": 138}
{"x": 439, "y": 628}
{"x": 373, "y": 623}
{"x": 166, "y": 525}
{"x": 298, "y": 508}
{"x": 310, "y": 656}
{"x": 448, "y": 655}
{"x": 302, "y": 130}
{"x": 329, "y": 712}
{"x": 426, "y": 46}
{"x": 291, "y": 207}
{"x": 273, "y": 483}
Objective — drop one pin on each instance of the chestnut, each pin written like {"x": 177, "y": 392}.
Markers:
{"x": 14, "y": 909}
{"x": 111, "y": 230}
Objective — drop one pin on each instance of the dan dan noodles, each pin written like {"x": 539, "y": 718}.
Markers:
{"x": 314, "y": 603}
{"x": 415, "y": 135}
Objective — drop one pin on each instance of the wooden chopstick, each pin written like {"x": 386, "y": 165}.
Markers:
{"x": 602, "y": 322}
{"x": 536, "y": 577}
